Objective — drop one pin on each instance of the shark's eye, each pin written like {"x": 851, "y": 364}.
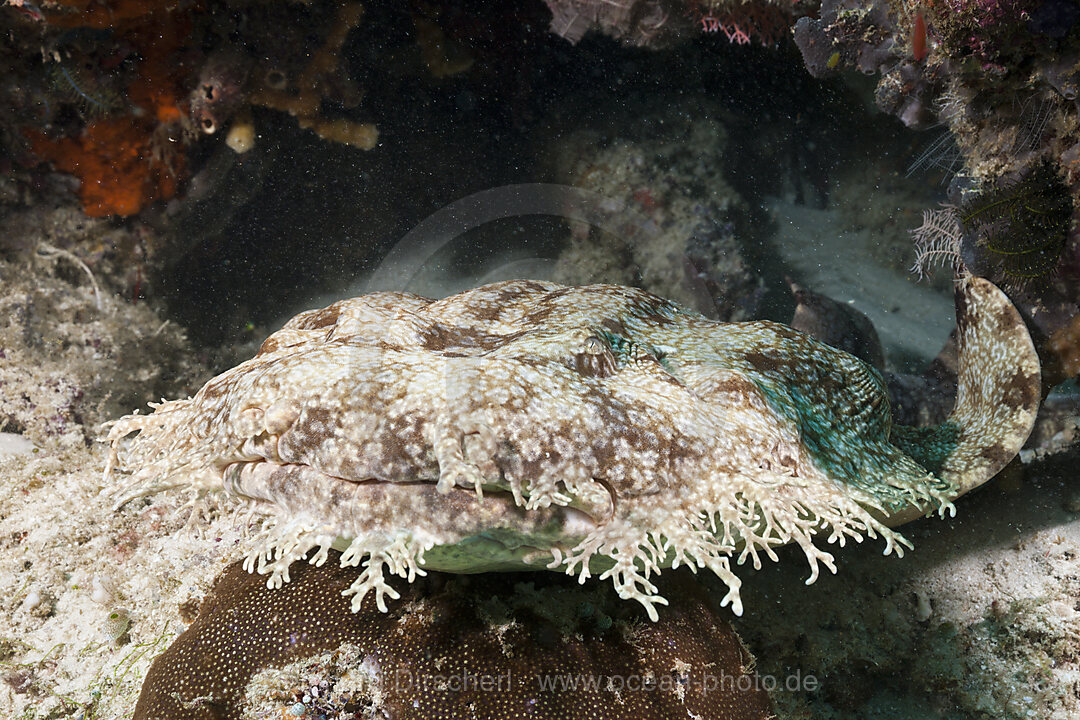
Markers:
{"x": 595, "y": 359}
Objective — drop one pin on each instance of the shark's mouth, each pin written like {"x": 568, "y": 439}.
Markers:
{"x": 465, "y": 532}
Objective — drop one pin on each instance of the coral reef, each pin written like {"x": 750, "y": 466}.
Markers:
{"x": 72, "y": 353}
{"x": 1065, "y": 344}
{"x": 321, "y": 78}
{"x": 986, "y": 70}
{"x": 1000, "y": 77}
{"x": 71, "y": 564}
{"x": 289, "y": 60}
{"x": 768, "y": 21}
{"x": 451, "y": 646}
{"x": 125, "y": 89}
{"x": 593, "y": 429}
{"x": 1017, "y": 234}
{"x": 690, "y": 248}
{"x": 106, "y": 16}
{"x": 219, "y": 91}
{"x": 109, "y": 159}
{"x": 720, "y": 148}
{"x": 638, "y": 22}
{"x": 133, "y": 156}
{"x": 656, "y": 23}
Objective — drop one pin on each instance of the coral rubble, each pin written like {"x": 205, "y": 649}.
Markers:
{"x": 72, "y": 352}
{"x": 979, "y": 621}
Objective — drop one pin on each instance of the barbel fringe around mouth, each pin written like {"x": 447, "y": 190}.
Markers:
{"x": 596, "y": 430}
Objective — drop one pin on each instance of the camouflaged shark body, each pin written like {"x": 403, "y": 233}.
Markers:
{"x": 595, "y": 429}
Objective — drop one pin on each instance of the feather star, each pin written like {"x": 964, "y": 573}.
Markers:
{"x": 595, "y": 429}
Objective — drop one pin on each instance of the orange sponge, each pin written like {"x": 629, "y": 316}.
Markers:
{"x": 112, "y": 158}
{"x": 127, "y": 161}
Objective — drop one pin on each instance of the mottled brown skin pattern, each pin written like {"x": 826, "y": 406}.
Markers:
{"x": 515, "y": 627}
{"x": 600, "y": 429}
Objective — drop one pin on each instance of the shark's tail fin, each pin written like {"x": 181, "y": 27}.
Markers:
{"x": 999, "y": 388}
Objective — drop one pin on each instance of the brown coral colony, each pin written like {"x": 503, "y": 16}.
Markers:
{"x": 504, "y": 647}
